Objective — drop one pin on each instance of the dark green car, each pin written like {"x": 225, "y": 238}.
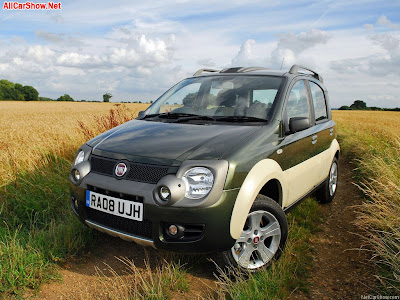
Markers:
{"x": 213, "y": 165}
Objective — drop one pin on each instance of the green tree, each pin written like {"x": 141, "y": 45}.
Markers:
{"x": 30, "y": 93}
{"x": 45, "y": 99}
{"x": 359, "y": 104}
{"x": 344, "y": 107}
{"x": 19, "y": 92}
{"x": 107, "y": 97}
{"x": 66, "y": 97}
{"x": 7, "y": 90}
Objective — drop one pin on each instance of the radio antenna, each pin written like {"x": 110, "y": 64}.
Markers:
{"x": 283, "y": 59}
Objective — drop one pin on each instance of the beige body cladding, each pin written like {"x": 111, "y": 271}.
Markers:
{"x": 295, "y": 182}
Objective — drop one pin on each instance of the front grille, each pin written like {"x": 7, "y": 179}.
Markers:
{"x": 137, "y": 172}
{"x": 102, "y": 166}
{"x": 146, "y": 173}
{"x": 137, "y": 228}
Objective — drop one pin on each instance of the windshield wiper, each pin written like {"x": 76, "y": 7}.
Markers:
{"x": 194, "y": 117}
{"x": 240, "y": 119}
{"x": 168, "y": 115}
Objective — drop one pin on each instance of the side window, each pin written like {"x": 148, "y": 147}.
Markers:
{"x": 318, "y": 101}
{"x": 297, "y": 105}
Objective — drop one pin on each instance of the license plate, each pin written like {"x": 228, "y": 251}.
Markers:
{"x": 115, "y": 206}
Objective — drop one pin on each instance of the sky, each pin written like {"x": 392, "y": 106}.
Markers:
{"x": 136, "y": 50}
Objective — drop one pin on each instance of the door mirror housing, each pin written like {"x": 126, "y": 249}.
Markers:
{"x": 141, "y": 114}
{"x": 298, "y": 124}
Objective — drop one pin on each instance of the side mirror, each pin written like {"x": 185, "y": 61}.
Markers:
{"x": 141, "y": 114}
{"x": 298, "y": 124}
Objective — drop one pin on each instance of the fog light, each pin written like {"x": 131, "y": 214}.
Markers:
{"x": 165, "y": 193}
{"x": 173, "y": 230}
{"x": 77, "y": 175}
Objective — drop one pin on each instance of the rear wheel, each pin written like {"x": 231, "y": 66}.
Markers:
{"x": 327, "y": 191}
{"x": 263, "y": 237}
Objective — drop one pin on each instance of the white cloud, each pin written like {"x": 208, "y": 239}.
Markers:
{"x": 385, "y": 61}
{"x": 288, "y": 49}
{"x": 206, "y": 62}
{"x": 73, "y": 59}
{"x": 245, "y": 55}
{"x": 139, "y": 49}
{"x": 39, "y": 53}
{"x": 384, "y": 21}
{"x": 49, "y": 36}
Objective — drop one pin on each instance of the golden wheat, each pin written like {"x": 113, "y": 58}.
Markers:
{"x": 373, "y": 139}
{"x": 33, "y": 130}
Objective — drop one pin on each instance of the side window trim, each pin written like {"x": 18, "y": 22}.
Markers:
{"x": 326, "y": 119}
{"x": 310, "y": 102}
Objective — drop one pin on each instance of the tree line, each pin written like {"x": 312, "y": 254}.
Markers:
{"x": 16, "y": 91}
{"x": 361, "y": 105}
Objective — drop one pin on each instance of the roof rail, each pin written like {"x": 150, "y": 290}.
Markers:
{"x": 242, "y": 69}
{"x": 295, "y": 70}
{"x": 231, "y": 70}
{"x": 251, "y": 69}
{"x": 204, "y": 70}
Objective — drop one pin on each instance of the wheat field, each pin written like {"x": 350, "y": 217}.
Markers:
{"x": 35, "y": 132}
{"x": 372, "y": 140}
{"x": 32, "y": 130}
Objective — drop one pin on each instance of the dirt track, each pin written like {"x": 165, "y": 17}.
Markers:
{"x": 340, "y": 271}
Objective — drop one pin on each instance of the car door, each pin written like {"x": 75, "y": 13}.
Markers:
{"x": 298, "y": 147}
{"x": 324, "y": 127}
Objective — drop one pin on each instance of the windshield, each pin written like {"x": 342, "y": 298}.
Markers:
{"x": 220, "y": 96}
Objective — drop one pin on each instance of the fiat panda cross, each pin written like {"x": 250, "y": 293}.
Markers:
{"x": 213, "y": 165}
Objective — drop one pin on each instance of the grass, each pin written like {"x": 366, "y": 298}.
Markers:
{"x": 372, "y": 139}
{"x": 157, "y": 282}
{"x": 38, "y": 229}
{"x": 37, "y": 226}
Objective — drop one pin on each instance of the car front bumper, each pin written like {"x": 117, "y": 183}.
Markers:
{"x": 206, "y": 229}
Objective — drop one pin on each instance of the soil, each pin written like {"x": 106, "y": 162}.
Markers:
{"x": 340, "y": 270}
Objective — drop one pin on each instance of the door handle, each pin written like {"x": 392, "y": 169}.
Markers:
{"x": 331, "y": 131}
{"x": 314, "y": 138}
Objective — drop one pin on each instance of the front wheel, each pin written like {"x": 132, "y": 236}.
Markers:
{"x": 263, "y": 238}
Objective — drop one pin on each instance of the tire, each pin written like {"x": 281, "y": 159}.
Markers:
{"x": 255, "y": 250}
{"x": 327, "y": 191}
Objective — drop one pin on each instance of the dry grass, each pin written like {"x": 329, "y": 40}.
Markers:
{"x": 37, "y": 144}
{"x": 157, "y": 282}
{"x": 30, "y": 131}
{"x": 373, "y": 140}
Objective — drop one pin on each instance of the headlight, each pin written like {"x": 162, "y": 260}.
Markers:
{"x": 79, "y": 158}
{"x": 198, "y": 182}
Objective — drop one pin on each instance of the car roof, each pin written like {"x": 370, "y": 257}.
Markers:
{"x": 295, "y": 70}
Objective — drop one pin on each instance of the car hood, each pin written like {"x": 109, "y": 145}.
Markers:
{"x": 169, "y": 143}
